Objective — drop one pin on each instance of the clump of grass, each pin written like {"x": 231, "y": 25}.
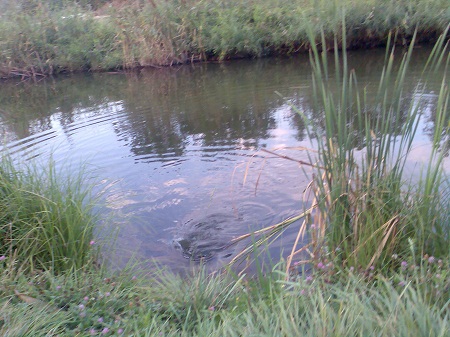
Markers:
{"x": 366, "y": 208}
{"x": 46, "y": 218}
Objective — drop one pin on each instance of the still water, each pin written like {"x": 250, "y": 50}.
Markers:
{"x": 179, "y": 151}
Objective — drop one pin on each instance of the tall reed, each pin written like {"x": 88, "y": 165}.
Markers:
{"x": 365, "y": 209}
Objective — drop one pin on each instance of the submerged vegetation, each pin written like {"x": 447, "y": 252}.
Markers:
{"x": 40, "y": 37}
{"x": 378, "y": 259}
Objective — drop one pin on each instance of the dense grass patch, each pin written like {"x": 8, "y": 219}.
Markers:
{"x": 40, "y": 37}
{"x": 46, "y": 218}
{"x": 413, "y": 301}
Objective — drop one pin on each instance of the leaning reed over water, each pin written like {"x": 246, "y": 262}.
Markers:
{"x": 46, "y": 218}
{"x": 368, "y": 209}
{"x": 39, "y": 37}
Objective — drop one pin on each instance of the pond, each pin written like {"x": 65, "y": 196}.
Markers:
{"x": 179, "y": 151}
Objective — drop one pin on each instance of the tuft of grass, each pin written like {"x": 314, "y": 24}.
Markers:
{"x": 46, "y": 218}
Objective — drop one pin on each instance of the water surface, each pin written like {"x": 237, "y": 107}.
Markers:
{"x": 179, "y": 149}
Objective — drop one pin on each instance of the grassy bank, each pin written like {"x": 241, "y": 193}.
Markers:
{"x": 413, "y": 301}
{"x": 49, "y": 285}
{"x": 40, "y": 37}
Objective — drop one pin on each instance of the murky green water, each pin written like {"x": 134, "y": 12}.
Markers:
{"x": 180, "y": 149}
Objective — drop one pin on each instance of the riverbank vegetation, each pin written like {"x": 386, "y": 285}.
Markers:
{"x": 41, "y": 37}
{"x": 413, "y": 301}
{"x": 51, "y": 285}
{"x": 364, "y": 207}
{"x": 377, "y": 262}
{"x": 46, "y": 219}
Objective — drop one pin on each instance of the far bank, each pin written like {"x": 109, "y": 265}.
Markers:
{"x": 40, "y": 38}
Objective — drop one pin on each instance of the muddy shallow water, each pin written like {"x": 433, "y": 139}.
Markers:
{"x": 178, "y": 150}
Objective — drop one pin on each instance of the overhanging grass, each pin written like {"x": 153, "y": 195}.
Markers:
{"x": 41, "y": 37}
{"x": 46, "y": 218}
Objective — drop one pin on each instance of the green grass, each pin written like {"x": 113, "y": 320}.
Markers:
{"x": 332, "y": 303}
{"x": 46, "y": 218}
{"x": 40, "y": 37}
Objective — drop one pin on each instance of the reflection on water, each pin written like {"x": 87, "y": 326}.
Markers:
{"x": 178, "y": 148}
